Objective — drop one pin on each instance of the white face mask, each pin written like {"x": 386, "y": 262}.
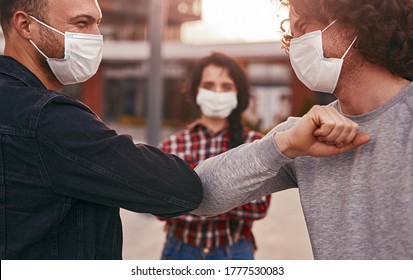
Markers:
{"x": 216, "y": 104}
{"x": 83, "y": 54}
{"x": 311, "y": 67}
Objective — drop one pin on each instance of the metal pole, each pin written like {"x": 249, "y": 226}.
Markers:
{"x": 155, "y": 89}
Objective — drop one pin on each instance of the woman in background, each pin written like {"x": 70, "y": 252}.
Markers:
{"x": 219, "y": 87}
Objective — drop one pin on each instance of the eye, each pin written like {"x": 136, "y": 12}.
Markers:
{"x": 228, "y": 87}
{"x": 208, "y": 85}
{"x": 82, "y": 23}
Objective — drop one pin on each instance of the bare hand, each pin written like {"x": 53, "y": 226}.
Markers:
{"x": 322, "y": 132}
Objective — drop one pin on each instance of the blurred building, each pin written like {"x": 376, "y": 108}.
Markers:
{"x": 119, "y": 91}
{"x": 128, "y": 19}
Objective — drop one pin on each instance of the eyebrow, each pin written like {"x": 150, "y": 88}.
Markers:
{"x": 88, "y": 18}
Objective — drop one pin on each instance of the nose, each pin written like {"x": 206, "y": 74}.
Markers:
{"x": 95, "y": 30}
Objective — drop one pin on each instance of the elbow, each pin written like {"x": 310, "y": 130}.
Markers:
{"x": 181, "y": 196}
{"x": 205, "y": 210}
{"x": 177, "y": 206}
{"x": 203, "y": 213}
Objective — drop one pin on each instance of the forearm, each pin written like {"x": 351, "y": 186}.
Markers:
{"x": 236, "y": 177}
{"x": 89, "y": 161}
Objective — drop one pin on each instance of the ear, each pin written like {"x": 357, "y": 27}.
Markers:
{"x": 21, "y": 22}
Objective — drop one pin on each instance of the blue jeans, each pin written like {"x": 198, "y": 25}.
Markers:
{"x": 177, "y": 250}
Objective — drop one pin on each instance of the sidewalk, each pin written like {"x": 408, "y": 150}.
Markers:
{"x": 280, "y": 235}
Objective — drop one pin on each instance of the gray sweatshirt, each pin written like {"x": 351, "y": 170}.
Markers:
{"x": 357, "y": 205}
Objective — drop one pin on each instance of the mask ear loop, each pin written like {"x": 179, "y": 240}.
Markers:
{"x": 348, "y": 49}
{"x": 352, "y": 43}
{"x": 44, "y": 24}
{"x": 37, "y": 48}
{"x": 328, "y": 26}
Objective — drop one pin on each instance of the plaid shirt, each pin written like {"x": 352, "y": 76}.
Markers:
{"x": 195, "y": 144}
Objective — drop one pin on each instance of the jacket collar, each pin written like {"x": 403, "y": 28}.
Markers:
{"x": 11, "y": 67}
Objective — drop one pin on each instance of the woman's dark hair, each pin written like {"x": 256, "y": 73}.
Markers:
{"x": 384, "y": 28}
{"x": 241, "y": 83}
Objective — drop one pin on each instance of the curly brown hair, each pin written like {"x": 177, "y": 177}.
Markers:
{"x": 384, "y": 28}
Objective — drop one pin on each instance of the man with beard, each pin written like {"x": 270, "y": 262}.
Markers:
{"x": 63, "y": 173}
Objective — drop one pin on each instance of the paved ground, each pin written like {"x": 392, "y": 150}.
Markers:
{"x": 280, "y": 235}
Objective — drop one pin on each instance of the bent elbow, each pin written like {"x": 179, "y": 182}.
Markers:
{"x": 208, "y": 211}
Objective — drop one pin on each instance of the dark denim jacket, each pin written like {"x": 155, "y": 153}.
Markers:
{"x": 64, "y": 174}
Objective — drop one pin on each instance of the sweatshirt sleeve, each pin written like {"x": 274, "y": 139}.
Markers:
{"x": 243, "y": 174}
{"x": 85, "y": 159}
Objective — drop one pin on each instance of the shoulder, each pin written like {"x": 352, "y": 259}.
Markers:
{"x": 409, "y": 95}
{"x": 62, "y": 99}
{"x": 65, "y": 117}
{"x": 65, "y": 112}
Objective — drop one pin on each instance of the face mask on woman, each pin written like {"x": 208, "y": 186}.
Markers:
{"x": 216, "y": 104}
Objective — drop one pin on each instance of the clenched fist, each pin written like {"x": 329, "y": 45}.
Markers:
{"x": 322, "y": 132}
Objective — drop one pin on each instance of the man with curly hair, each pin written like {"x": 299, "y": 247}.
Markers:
{"x": 63, "y": 173}
{"x": 351, "y": 160}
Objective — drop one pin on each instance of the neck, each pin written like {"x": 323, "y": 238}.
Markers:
{"x": 26, "y": 55}
{"x": 367, "y": 88}
{"x": 214, "y": 124}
